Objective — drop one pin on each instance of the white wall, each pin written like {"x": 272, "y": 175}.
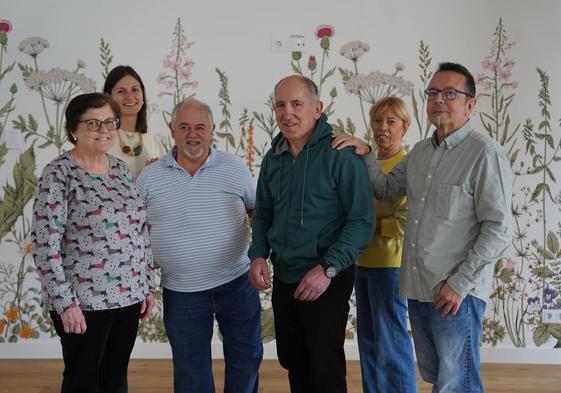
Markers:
{"x": 236, "y": 37}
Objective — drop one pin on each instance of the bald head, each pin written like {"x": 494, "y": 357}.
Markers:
{"x": 310, "y": 85}
{"x": 193, "y": 103}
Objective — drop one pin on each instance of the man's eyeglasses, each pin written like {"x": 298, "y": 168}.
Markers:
{"x": 447, "y": 94}
{"x": 94, "y": 125}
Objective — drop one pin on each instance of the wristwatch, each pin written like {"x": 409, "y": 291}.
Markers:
{"x": 329, "y": 270}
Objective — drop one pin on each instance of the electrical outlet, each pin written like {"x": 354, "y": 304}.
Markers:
{"x": 551, "y": 315}
{"x": 293, "y": 43}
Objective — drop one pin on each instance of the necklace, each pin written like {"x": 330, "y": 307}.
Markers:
{"x": 131, "y": 151}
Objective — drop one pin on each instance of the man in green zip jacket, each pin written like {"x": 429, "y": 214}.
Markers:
{"x": 314, "y": 215}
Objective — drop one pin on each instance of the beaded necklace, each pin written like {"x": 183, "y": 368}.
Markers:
{"x": 131, "y": 151}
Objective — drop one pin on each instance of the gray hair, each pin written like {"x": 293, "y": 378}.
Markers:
{"x": 196, "y": 103}
{"x": 310, "y": 85}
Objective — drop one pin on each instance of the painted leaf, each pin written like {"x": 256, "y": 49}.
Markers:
{"x": 327, "y": 75}
{"x": 552, "y": 243}
{"x": 550, "y": 174}
{"x": 506, "y": 275}
{"x": 351, "y": 129}
{"x": 3, "y": 152}
{"x": 555, "y": 330}
{"x": 541, "y": 334}
{"x": 15, "y": 198}
{"x": 514, "y": 156}
{"x": 537, "y": 191}
{"x": 267, "y": 325}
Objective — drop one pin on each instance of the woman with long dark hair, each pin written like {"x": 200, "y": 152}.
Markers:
{"x": 135, "y": 144}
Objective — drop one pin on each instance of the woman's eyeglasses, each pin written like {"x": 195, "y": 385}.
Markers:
{"x": 94, "y": 125}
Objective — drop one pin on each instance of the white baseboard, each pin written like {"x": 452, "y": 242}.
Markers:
{"x": 52, "y": 350}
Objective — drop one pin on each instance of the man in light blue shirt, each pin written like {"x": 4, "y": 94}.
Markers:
{"x": 459, "y": 187}
{"x": 198, "y": 200}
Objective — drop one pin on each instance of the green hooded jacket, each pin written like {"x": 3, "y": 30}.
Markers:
{"x": 317, "y": 206}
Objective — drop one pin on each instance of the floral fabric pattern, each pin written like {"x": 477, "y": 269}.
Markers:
{"x": 90, "y": 237}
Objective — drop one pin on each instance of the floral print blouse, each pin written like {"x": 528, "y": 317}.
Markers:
{"x": 90, "y": 237}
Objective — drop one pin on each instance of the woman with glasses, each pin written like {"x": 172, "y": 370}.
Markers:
{"x": 386, "y": 353}
{"x": 135, "y": 144}
{"x": 91, "y": 248}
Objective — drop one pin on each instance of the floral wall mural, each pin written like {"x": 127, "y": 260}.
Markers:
{"x": 35, "y": 88}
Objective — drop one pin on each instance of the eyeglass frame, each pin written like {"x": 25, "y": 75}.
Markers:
{"x": 441, "y": 92}
{"x": 104, "y": 122}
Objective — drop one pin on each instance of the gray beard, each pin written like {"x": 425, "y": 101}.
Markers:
{"x": 188, "y": 154}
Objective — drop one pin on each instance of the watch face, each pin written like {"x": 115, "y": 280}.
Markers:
{"x": 331, "y": 272}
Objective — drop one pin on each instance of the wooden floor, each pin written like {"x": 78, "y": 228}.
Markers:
{"x": 155, "y": 376}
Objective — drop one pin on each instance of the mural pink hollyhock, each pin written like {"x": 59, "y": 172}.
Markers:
{"x": 325, "y": 31}
{"x": 5, "y": 25}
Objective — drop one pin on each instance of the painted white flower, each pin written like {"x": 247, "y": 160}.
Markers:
{"x": 59, "y": 85}
{"x": 32, "y": 46}
{"x": 354, "y": 49}
{"x": 376, "y": 85}
{"x": 399, "y": 66}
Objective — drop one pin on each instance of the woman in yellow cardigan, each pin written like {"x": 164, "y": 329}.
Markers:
{"x": 386, "y": 353}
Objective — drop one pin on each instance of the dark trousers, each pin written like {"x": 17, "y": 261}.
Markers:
{"x": 97, "y": 361}
{"x": 311, "y": 335}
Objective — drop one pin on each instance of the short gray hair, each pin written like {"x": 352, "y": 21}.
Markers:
{"x": 310, "y": 85}
{"x": 196, "y": 103}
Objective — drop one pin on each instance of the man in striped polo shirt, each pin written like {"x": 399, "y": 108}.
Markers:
{"x": 198, "y": 200}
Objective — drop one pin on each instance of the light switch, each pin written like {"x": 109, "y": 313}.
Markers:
{"x": 293, "y": 43}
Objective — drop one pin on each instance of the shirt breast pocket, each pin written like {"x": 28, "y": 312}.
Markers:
{"x": 452, "y": 202}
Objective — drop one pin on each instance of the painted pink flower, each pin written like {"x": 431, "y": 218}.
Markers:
{"x": 5, "y": 25}
{"x": 188, "y": 63}
{"x": 509, "y": 64}
{"x": 510, "y": 263}
{"x": 187, "y": 45}
{"x": 504, "y": 74}
{"x": 480, "y": 79}
{"x": 514, "y": 84}
{"x": 167, "y": 62}
{"x": 175, "y": 65}
{"x": 486, "y": 64}
{"x": 325, "y": 31}
{"x": 185, "y": 74}
{"x": 161, "y": 77}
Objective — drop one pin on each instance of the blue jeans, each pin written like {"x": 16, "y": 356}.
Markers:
{"x": 189, "y": 322}
{"x": 448, "y": 348}
{"x": 386, "y": 352}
